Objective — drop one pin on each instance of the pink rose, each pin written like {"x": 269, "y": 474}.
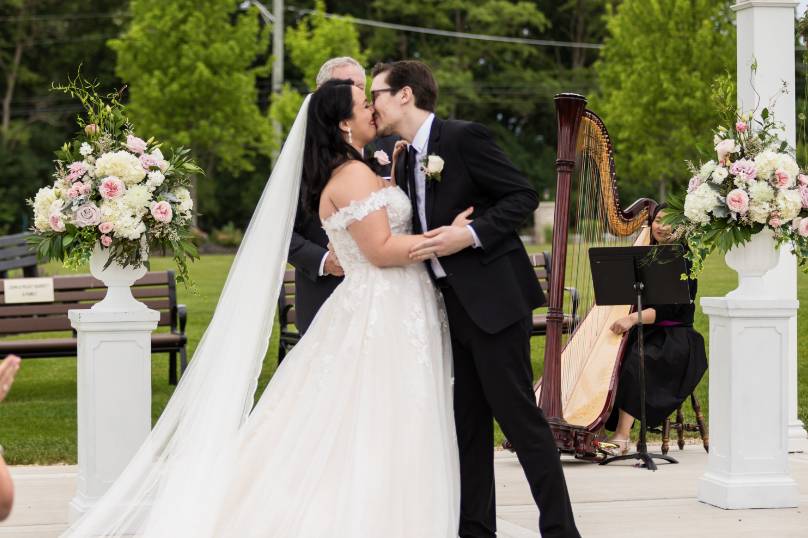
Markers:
{"x": 135, "y": 144}
{"x": 775, "y": 222}
{"x": 106, "y": 240}
{"x": 381, "y": 157}
{"x": 724, "y": 148}
{"x": 87, "y": 215}
{"x": 740, "y": 127}
{"x": 73, "y": 192}
{"x": 153, "y": 160}
{"x": 91, "y": 129}
{"x": 695, "y": 183}
{"x": 804, "y": 195}
{"x": 738, "y": 201}
{"x": 744, "y": 168}
{"x": 801, "y": 226}
{"x": 76, "y": 169}
{"x": 803, "y": 179}
{"x": 105, "y": 227}
{"x": 56, "y": 222}
{"x": 86, "y": 188}
{"x": 781, "y": 179}
{"x": 161, "y": 211}
{"x": 111, "y": 187}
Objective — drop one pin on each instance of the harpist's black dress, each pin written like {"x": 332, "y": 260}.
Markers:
{"x": 675, "y": 361}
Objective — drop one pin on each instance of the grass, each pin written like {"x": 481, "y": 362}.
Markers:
{"x": 38, "y": 419}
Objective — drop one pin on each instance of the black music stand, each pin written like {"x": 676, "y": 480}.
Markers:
{"x": 639, "y": 275}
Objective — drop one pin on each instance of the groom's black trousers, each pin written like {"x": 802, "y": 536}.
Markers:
{"x": 494, "y": 378}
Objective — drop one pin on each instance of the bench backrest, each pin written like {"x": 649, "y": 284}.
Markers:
{"x": 16, "y": 253}
{"x": 156, "y": 289}
{"x": 541, "y": 266}
{"x": 286, "y": 301}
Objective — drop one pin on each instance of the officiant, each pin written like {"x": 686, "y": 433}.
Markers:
{"x": 317, "y": 270}
{"x": 675, "y": 357}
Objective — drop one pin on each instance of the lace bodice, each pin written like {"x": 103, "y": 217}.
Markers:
{"x": 399, "y": 214}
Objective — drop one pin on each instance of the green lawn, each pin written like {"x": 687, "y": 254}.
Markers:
{"x": 38, "y": 419}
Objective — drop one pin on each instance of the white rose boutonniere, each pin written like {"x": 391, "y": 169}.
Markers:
{"x": 381, "y": 157}
{"x": 432, "y": 165}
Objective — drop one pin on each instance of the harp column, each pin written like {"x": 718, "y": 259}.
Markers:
{"x": 774, "y": 53}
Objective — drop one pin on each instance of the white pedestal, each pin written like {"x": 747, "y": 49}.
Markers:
{"x": 774, "y": 54}
{"x": 748, "y": 462}
{"x": 114, "y": 396}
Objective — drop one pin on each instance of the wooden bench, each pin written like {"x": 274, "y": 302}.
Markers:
{"x": 16, "y": 253}
{"x": 156, "y": 289}
{"x": 289, "y": 335}
{"x": 541, "y": 265}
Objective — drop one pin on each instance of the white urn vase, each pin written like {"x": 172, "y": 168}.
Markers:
{"x": 751, "y": 261}
{"x": 118, "y": 280}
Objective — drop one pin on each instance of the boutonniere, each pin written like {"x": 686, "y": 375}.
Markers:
{"x": 381, "y": 157}
{"x": 432, "y": 166}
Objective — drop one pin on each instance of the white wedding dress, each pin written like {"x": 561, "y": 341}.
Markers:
{"x": 354, "y": 436}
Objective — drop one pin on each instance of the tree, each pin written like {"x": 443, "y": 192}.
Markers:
{"x": 655, "y": 77}
{"x": 191, "y": 68}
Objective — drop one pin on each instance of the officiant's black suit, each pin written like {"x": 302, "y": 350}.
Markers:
{"x": 490, "y": 293}
{"x": 309, "y": 245}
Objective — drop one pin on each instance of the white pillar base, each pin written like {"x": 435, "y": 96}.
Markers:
{"x": 749, "y": 371}
{"x": 114, "y": 396}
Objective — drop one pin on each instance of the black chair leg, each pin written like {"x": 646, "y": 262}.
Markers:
{"x": 172, "y": 368}
{"x": 183, "y": 359}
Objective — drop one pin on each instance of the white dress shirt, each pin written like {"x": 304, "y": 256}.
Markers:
{"x": 420, "y": 143}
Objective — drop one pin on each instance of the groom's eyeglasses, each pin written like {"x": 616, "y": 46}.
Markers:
{"x": 374, "y": 94}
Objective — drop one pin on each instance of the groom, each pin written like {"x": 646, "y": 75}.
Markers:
{"x": 488, "y": 285}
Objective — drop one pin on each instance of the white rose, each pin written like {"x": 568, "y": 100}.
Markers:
{"x": 85, "y": 149}
{"x": 789, "y": 202}
{"x": 121, "y": 164}
{"x": 434, "y": 165}
{"x": 156, "y": 179}
{"x": 766, "y": 162}
{"x": 186, "y": 203}
{"x": 707, "y": 169}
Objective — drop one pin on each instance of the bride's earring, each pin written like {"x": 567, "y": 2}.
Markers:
{"x": 350, "y": 138}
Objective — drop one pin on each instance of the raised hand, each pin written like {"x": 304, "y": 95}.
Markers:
{"x": 397, "y": 149}
{"x": 8, "y": 369}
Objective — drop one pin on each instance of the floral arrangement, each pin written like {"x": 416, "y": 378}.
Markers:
{"x": 753, "y": 184}
{"x": 115, "y": 189}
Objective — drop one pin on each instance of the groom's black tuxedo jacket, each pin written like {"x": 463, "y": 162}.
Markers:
{"x": 307, "y": 248}
{"x": 496, "y": 284}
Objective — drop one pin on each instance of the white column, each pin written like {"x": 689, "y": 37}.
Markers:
{"x": 766, "y": 36}
{"x": 747, "y": 466}
{"x": 114, "y": 396}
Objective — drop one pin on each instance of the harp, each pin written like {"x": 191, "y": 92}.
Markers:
{"x": 577, "y": 390}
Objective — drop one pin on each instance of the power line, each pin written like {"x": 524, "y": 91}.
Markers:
{"x": 461, "y": 35}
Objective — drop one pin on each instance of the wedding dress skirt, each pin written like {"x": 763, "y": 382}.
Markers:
{"x": 354, "y": 436}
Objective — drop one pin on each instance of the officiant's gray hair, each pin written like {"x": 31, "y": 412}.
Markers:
{"x": 328, "y": 67}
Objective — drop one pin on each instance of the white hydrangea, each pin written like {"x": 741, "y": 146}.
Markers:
{"x": 700, "y": 202}
{"x": 789, "y": 202}
{"x": 45, "y": 201}
{"x": 85, "y": 149}
{"x": 761, "y": 191}
{"x": 130, "y": 227}
{"x": 719, "y": 175}
{"x": 707, "y": 169}
{"x": 768, "y": 161}
{"x": 156, "y": 179}
{"x": 759, "y": 211}
{"x": 120, "y": 164}
{"x": 186, "y": 203}
{"x": 137, "y": 198}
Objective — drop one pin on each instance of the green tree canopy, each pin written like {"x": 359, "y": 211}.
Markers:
{"x": 655, "y": 77}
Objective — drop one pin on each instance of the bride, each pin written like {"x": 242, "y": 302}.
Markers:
{"x": 354, "y": 435}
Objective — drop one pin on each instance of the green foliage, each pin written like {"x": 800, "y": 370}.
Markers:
{"x": 191, "y": 68}
{"x": 655, "y": 76}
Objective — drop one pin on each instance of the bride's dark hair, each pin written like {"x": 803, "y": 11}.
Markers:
{"x": 325, "y": 147}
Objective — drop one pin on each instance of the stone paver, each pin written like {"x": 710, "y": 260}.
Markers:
{"x": 614, "y": 501}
